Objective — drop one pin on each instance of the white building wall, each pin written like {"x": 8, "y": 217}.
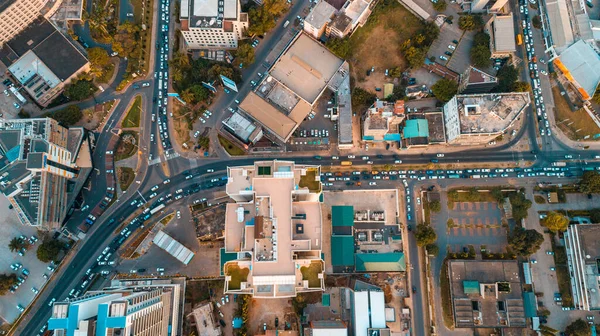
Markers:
{"x": 452, "y": 120}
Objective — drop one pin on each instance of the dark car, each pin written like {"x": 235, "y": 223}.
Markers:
{"x": 409, "y": 227}
{"x": 222, "y": 323}
{"x": 455, "y": 41}
{"x": 276, "y": 322}
{"x": 448, "y": 53}
{"x": 141, "y": 270}
{"x": 414, "y": 289}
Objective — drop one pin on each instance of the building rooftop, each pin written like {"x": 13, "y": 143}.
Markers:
{"x": 306, "y": 68}
{"x": 275, "y": 120}
{"x": 320, "y": 14}
{"x": 355, "y": 9}
{"x": 560, "y": 23}
{"x": 486, "y": 293}
{"x": 504, "y": 33}
{"x": 239, "y": 125}
{"x": 476, "y": 76}
{"x": 581, "y": 64}
{"x": 208, "y": 13}
{"x": 341, "y": 22}
{"x": 51, "y": 48}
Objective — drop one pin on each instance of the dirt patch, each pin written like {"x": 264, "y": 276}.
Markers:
{"x": 575, "y": 125}
{"x": 265, "y": 311}
{"x": 94, "y": 116}
{"x": 182, "y": 125}
{"x": 126, "y": 176}
{"x": 210, "y": 222}
{"x": 127, "y": 145}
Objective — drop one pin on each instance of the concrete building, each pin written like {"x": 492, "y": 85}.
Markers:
{"x": 291, "y": 87}
{"x": 274, "y": 229}
{"x": 474, "y": 80}
{"x": 40, "y": 160}
{"x": 559, "y": 20}
{"x": 422, "y": 129}
{"x": 243, "y": 128}
{"x": 212, "y": 24}
{"x": 479, "y": 118}
{"x": 486, "y": 294}
{"x": 501, "y": 29}
{"x": 137, "y": 307}
{"x": 583, "y": 255}
{"x": 16, "y": 15}
{"x": 206, "y": 323}
{"x": 337, "y": 18}
{"x": 482, "y": 6}
{"x": 579, "y": 66}
{"x": 319, "y": 17}
{"x": 368, "y": 310}
{"x": 382, "y": 121}
{"x": 43, "y": 60}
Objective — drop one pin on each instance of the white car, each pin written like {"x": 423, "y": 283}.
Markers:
{"x": 440, "y": 155}
{"x": 451, "y": 47}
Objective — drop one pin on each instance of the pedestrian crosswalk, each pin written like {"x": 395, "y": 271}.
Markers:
{"x": 169, "y": 155}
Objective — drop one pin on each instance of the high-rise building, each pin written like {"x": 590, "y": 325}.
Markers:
{"x": 39, "y": 158}
{"x": 16, "y": 15}
{"x": 137, "y": 307}
{"x": 273, "y": 231}
{"x": 212, "y": 24}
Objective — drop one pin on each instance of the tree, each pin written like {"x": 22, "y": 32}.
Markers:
{"x": 425, "y": 235}
{"x": 507, "y": 76}
{"x": 98, "y": 56}
{"x": 361, "y": 98}
{"x": 520, "y": 204}
{"x": 435, "y": 206}
{"x": 415, "y": 57}
{"x": 590, "y": 182}
{"x": 49, "y": 250}
{"x": 480, "y": 56}
{"x": 440, "y": 6}
{"x": 80, "y": 89}
{"x": 432, "y": 249}
{"x": 536, "y": 22}
{"x": 340, "y": 47}
{"x": 578, "y": 328}
{"x": 275, "y": 7}
{"x": 216, "y": 70}
{"x": 595, "y": 215}
{"x": 444, "y": 89}
{"x": 261, "y": 21}
{"x": 521, "y": 87}
{"x": 525, "y": 242}
{"x": 469, "y": 22}
{"x": 555, "y": 222}
{"x": 395, "y": 72}
{"x": 68, "y": 116}
{"x": 7, "y": 281}
{"x": 245, "y": 54}
{"x": 16, "y": 244}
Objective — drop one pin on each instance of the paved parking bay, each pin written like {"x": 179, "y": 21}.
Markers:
{"x": 459, "y": 60}
{"x": 11, "y": 228}
{"x": 477, "y": 223}
{"x": 315, "y": 133}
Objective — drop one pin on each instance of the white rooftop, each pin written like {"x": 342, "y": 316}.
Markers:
{"x": 28, "y": 65}
{"x": 206, "y": 8}
{"x": 320, "y": 14}
{"x": 583, "y": 63}
{"x": 560, "y": 24}
{"x": 504, "y": 33}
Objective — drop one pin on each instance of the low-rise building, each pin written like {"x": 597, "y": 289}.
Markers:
{"x": 43, "y": 60}
{"x": 559, "y": 22}
{"x": 474, "y": 80}
{"x": 579, "y": 68}
{"x": 319, "y": 17}
{"x": 244, "y": 129}
{"x": 274, "y": 230}
{"x": 337, "y": 18}
{"x": 501, "y": 29}
{"x": 136, "y": 307}
{"x": 212, "y": 24}
{"x": 583, "y": 256}
{"x": 486, "y": 294}
{"x": 479, "y": 118}
{"x": 39, "y": 160}
{"x": 383, "y": 120}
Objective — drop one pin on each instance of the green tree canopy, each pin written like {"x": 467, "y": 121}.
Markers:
{"x": 480, "y": 51}
{"x": 98, "y": 56}
{"x": 80, "y": 89}
{"x": 261, "y": 21}
{"x": 536, "y": 21}
{"x": 521, "y": 87}
{"x": 362, "y": 99}
{"x": 6, "y": 281}
{"x": 440, "y": 6}
{"x": 49, "y": 250}
{"x": 435, "y": 206}
{"x": 425, "y": 235}
{"x": 245, "y": 54}
{"x": 520, "y": 204}
{"x": 340, "y": 47}
{"x": 470, "y": 22}
{"x": 590, "y": 182}
{"x": 444, "y": 89}
{"x": 578, "y": 327}
{"x": 507, "y": 76}
{"x": 555, "y": 222}
{"x": 16, "y": 244}
{"x": 432, "y": 249}
{"x": 415, "y": 56}
{"x": 68, "y": 116}
{"x": 525, "y": 242}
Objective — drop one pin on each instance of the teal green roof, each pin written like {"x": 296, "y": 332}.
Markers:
{"x": 416, "y": 128}
{"x": 529, "y": 304}
{"x": 326, "y": 300}
{"x": 225, "y": 257}
{"x": 380, "y": 262}
{"x": 471, "y": 287}
{"x": 342, "y": 215}
{"x": 342, "y": 250}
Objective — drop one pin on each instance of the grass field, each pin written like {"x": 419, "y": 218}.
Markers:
{"x": 311, "y": 273}
{"x": 126, "y": 149}
{"x": 126, "y": 176}
{"x": 579, "y": 123}
{"x": 231, "y": 148}
{"x": 377, "y": 44}
{"x": 132, "y": 119}
{"x": 238, "y": 275}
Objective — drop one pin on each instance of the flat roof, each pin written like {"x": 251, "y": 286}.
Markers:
{"x": 306, "y": 67}
{"x": 241, "y": 126}
{"x": 320, "y": 14}
{"x": 560, "y": 23}
{"x": 416, "y": 128}
{"x": 342, "y": 251}
{"x": 504, "y": 33}
{"x": 582, "y": 64}
{"x": 268, "y": 115}
{"x": 380, "y": 262}
{"x": 342, "y": 215}
{"x": 355, "y": 10}
{"x": 29, "y": 65}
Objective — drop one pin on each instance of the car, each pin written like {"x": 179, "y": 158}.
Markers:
{"x": 20, "y": 308}
{"x": 444, "y": 58}
{"x": 227, "y": 298}
{"x": 372, "y": 183}
{"x": 550, "y": 252}
{"x": 265, "y": 326}
{"x": 440, "y": 155}
{"x": 160, "y": 269}
{"x": 152, "y": 195}
{"x": 414, "y": 289}
{"x": 35, "y": 290}
{"x": 448, "y": 53}
{"x": 51, "y": 302}
{"x": 178, "y": 214}
{"x": 167, "y": 181}
{"x": 17, "y": 106}
{"x": 568, "y": 156}
{"x": 237, "y": 101}
{"x": 210, "y": 170}
{"x": 222, "y": 300}
{"x": 450, "y": 46}
{"x": 553, "y": 268}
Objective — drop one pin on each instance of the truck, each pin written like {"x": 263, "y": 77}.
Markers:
{"x": 157, "y": 209}
{"x": 475, "y": 176}
{"x": 559, "y": 164}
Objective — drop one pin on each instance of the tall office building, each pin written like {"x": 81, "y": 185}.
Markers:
{"x": 38, "y": 157}
{"x": 212, "y": 24}
{"x": 16, "y": 15}
{"x": 139, "y": 307}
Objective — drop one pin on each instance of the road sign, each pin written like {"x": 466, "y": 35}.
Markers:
{"x": 228, "y": 83}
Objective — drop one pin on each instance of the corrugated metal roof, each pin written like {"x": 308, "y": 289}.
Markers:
{"x": 416, "y": 128}
{"x": 583, "y": 63}
{"x": 342, "y": 215}
{"x": 377, "y": 301}
{"x": 361, "y": 313}
{"x": 173, "y": 247}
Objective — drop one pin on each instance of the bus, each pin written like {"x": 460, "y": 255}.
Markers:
{"x": 346, "y": 163}
{"x": 157, "y": 209}
{"x": 519, "y": 39}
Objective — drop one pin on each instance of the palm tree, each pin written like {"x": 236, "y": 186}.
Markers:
{"x": 15, "y": 244}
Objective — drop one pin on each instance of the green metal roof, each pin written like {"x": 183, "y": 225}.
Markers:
{"x": 416, "y": 128}
{"x": 471, "y": 287}
{"x": 342, "y": 215}
{"x": 342, "y": 250}
{"x": 529, "y": 304}
{"x": 326, "y": 300}
{"x": 380, "y": 262}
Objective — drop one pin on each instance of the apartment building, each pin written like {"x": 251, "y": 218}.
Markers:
{"x": 212, "y": 24}
{"x": 137, "y": 307}
{"x": 337, "y": 18}
{"x": 43, "y": 60}
{"x": 16, "y": 15}
{"x": 501, "y": 29}
{"x": 273, "y": 231}
{"x": 583, "y": 256}
{"x": 383, "y": 120}
{"x": 39, "y": 159}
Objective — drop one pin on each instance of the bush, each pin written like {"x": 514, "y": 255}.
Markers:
{"x": 432, "y": 249}
{"x": 435, "y": 206}
{"x": 555, "y": 222}
{"x": 49, "y": 250}
{"x": 590, "y": 182}
{"x": 6, "y": 281}
{"x": 578, "y": 328}
{"x": 470, "y": 22}
{"x": 525, "y": 242}
{"x": 440, "y": 6}
{"x": 444, "y": 89}
{"x": 425, "y": 235}
{"x": 520, "y": 205}
{"x": 68, "y": 116}
{"x": 80, "y": 89}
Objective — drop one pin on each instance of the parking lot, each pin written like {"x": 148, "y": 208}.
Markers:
{"x": 459, "y": 59}
{"x": 9, "y": 104}
{"x": 477, "y": 223}
{"x": 316, "y": 132}
{"x": 11, "y": 228}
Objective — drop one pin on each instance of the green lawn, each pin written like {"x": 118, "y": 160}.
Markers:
{"x": 126, "y": 176}
{"x": 132, "y": 119}
{"x": 311, "y": 273}
{"x": 145, "y": 34}
{"x": 230, "y": 147}
{"x": 579, "y": 123}
{"x": 238, "y": 275}
{"x": 126, "y": 149}
{"x": 308, "y": 180}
